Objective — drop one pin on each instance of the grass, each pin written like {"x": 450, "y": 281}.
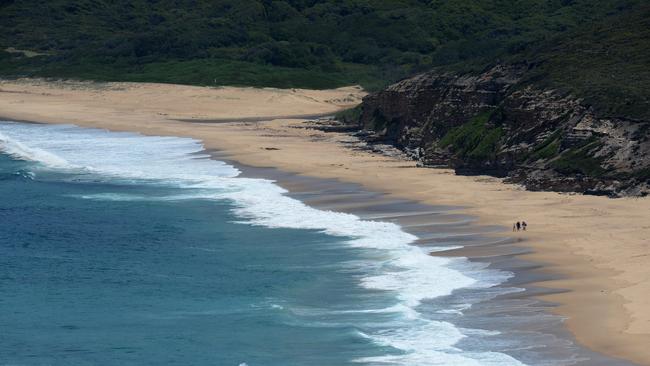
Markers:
{"x": 349, "y": 116}
{"x": 548, "y": 149}
{"x": 474, "y": 140}
{"x": 547, "y": 152}
{"x": 579, "y": 160}
{"x": 205, "y": 72}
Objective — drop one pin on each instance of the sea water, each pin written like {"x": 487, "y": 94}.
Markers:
{"x": 124, "y": 249}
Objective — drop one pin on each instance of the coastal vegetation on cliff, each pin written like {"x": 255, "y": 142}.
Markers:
{"x": 552, "y": 93}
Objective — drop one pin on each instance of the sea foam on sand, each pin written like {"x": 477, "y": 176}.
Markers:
{"x": 406, "y": 271}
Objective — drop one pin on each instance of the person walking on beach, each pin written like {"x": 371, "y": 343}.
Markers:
{"x": 523, "y": 225}
{"x": 518, "y": 225}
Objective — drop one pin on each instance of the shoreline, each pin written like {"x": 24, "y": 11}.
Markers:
{"x": 510, "y": 313}
{"x": 494, "y": 310}
{"x": 569, "y": 235}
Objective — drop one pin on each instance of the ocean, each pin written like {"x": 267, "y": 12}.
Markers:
{"x": 123, "y": 249}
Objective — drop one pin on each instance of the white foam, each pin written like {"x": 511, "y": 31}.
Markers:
{"x": 406, "y": 271}
{"x": 124, "y": 197}
{"x": 18, "y": 150}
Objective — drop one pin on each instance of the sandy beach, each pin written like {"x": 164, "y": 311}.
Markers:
{"x": 599, "y": 247}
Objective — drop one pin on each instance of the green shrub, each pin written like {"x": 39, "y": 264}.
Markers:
{"x": 580, "y": 161}
{"x": 548, "y": 149}
{"x": 475, "y": 139}
{"x": 595, "y": 48}
{"x": 349, "y": 116}
{"x": 547, "y": 152}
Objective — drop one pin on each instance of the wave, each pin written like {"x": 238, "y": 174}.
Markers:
{"x": 20, "y": 151}
{"x": 125, "y": 197}
{"x": 397, "y": 267}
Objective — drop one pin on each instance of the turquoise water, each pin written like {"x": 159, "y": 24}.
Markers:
{"x": 121, "y": 249}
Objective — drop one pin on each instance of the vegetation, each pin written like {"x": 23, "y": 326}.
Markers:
{"x": 604, "y": 62}
{"x": 298, "y": 43}
{"x": 349, "y": 116}
{"x": 579, "y": 161}
{"x": 547, "y": 149}
{"x": 476, "y": 140}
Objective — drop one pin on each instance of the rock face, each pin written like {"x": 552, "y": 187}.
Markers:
{"x": 495, "y": 123}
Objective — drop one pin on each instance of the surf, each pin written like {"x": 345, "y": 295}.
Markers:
{"x": 391, "y": 263}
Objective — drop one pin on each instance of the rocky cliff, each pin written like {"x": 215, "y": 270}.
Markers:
{"x": 499, "y": 123}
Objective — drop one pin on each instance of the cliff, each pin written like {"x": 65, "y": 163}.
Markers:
{"x": 498, "y": 123}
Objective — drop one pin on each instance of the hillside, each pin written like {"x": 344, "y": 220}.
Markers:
{"x": 293, "y": 43}
{"x": 572, "y": 116}
{"x": 551, "y": 93}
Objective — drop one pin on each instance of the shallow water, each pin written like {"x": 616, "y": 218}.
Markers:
{"x": 117, "y": 248}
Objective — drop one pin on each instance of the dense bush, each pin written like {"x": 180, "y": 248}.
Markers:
{"x": 314, "y": 43}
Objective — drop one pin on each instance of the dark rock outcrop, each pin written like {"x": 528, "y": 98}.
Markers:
{"x": 498, "y": 123}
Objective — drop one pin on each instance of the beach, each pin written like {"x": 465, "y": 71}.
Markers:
{"x": 594, "y": 249}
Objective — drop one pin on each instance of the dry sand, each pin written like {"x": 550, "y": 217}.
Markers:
{"x": 600, "y": 246}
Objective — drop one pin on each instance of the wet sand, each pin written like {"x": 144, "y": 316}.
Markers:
{"x": 592, "y": 252}
{"x": 527, "y": 330}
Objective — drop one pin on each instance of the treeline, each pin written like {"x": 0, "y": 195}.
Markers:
{"x": 304, "y": 43}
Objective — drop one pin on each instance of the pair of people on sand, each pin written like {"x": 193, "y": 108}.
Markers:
{"x": 519, "y": 225}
